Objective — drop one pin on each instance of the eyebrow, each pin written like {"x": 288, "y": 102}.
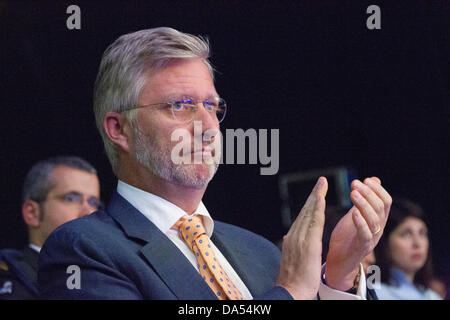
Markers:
{"x": 190, "y": 95}
{"x": 73, "y": 192}
{"x": 410, "y": 229}
{"x": 80, "y": 194}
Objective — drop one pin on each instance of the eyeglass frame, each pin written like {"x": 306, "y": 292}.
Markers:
{"x": 194, "y": 102}
{"x": 64, "y": 199}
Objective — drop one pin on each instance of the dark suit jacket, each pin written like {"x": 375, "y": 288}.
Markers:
{"x": 122, "y": 255}
{"x": 18, "y": 274}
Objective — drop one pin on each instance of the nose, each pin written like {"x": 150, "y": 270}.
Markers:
{"x": 418, "y": 241}
{"x": 209, "y": 122}
{"x": 208, "y": 119}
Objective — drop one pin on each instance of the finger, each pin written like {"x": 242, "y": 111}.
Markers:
{"x": 322, "y": 186}
{"x": 317, "y": 220}
{"x": 320, "y": 189}
{"x": 316, "y": 205}
{"x": 382, "y": 194}
{"x": 362, "y": 228}
{"x": 313, "y": 211}
{"x": 374, "y": 200}
{"x": 366, "y": 210}
{"x": 376, "y": 179}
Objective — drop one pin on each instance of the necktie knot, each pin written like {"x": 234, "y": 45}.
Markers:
{"x": 191, "y": 228}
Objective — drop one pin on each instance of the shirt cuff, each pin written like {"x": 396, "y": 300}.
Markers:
{"x": 327, "y": 293}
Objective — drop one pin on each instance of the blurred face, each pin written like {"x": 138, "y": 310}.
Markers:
{"x": 409, "y": 245}
{"x": 154, "y": 126}
{"x": 73, "y": 195}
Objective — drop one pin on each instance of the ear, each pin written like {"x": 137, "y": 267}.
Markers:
{"x": 118, "y": 129}
{"x": 31, "y": 213}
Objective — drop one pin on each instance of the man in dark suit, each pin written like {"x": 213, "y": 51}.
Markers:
{"x": 156, "y": 239}
{"x": 55, "y": 191}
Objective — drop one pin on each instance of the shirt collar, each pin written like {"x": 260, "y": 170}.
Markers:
{"x": 35, "y": 247}
{"x": 159, "y": 211}
{"x": 399, "y": 277}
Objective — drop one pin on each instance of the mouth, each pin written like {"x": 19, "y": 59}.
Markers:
{"x": 417, "y": 256}
{"x": 203, "y": 150}
{"x": 203, "y": 156}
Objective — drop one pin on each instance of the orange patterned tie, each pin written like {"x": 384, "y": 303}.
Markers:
{"x": 194, "y": 234}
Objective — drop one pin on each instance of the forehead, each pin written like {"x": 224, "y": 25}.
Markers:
{"x": 179, "y": 77}
{"x": 412, "y": 223}
{"x": 66, "y": 179}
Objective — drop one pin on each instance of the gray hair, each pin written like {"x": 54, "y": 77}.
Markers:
{"x": 128, "y": 62}
{"x": 38, "y": 181}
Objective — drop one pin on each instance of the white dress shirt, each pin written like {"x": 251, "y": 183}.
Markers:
{"x": 35, "y": 247}
{"x": 403, "y": 289}
{"x": 164, "y": 214}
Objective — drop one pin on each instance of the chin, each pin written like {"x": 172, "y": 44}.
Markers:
{"x": 194, "y": 175}
{"x": 414, "y": 267}
{"x": 418, "y": 265}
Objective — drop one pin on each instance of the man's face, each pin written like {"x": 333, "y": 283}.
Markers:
{"x": 154, "y": 126}
{"x": 68, "y": 198}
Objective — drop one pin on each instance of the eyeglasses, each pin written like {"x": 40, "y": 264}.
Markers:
{"x": 185, "y": 108}
{"x": 76, "y": 198}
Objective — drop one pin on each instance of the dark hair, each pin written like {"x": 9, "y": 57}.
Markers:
{"x": 38, "y": 180}
{"x": 402, "y": 209}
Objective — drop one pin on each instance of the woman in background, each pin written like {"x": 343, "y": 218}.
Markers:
{"x": 403, "y": 255}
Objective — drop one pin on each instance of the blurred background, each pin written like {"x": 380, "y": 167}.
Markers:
{"x": 371, "y": 102}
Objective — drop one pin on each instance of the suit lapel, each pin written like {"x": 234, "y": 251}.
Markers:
{"x": 241, "y": 258}
{"x": 235, "y": 254}
{"x": 176, "y": 271}
{"x": 168, "y": 261}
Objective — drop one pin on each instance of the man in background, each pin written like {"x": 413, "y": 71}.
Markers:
{"x": 56, "y": 190}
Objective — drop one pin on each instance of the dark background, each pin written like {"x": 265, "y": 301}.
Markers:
{"x": 341, "y": 95}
